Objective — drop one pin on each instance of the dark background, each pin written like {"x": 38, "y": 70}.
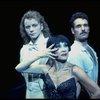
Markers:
{"x": 57, "y": 15}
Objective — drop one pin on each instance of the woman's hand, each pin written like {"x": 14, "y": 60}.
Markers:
{"x": 48, "y": 52}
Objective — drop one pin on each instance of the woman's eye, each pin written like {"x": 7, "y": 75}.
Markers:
{"x": 27, "y": 27}
{"x": 34, "y": 25}
{"x": 57, "y": 46}
{"x": 66, "y": 45}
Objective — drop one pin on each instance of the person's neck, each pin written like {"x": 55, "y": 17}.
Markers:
{"x": 83, "y": 43}
{"x": 36, "y": 39}
{"x": 59, "y": 65}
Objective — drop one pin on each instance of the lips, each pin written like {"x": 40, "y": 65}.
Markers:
{"x": 64, "y": 54}
{"x": 32, "y": 34}
{"x": 83, "y": 33}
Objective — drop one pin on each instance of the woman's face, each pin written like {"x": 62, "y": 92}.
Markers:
{"x": 63, "y": 50}
{"x": 33, "y": 28}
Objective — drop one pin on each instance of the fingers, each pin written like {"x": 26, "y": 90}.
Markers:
{"x": 52, "y": 55}
{"x": 51, "y": 46}
{"x": 49, "y": 52}
{"x": 55, "y": 49}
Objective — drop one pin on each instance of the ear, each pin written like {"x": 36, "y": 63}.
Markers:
{"x": 42, "y": 26}
{"x": 72, "y": 30}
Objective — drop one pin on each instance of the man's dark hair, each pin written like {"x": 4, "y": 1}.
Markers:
{"x": 78, "y": 15}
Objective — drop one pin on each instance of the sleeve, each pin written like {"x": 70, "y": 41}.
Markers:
{"x": 22, "y": 53}
{"x": 25, "y": 53}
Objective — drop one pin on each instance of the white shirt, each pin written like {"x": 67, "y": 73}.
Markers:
{"x": 80, "y": 56}
{"x": 34, "y": 88}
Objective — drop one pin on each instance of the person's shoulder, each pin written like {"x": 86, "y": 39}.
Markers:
{"x": 74, "y": 53}
{"x": 75, "y": 50}
{"x": 46, "y": 39}
{"x": 24, "y": 47}
{"x": 74, "y": 67}
{"x": 71, "y": 65}
{"x": 75, "y": 47}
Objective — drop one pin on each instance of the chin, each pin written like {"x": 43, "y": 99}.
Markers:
{"x": 62, "y": 60}
{"x": 83, "y": 40}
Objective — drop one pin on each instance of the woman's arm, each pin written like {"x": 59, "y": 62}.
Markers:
{"x": 26, "y": 63}
{"x": 87, "y": 82}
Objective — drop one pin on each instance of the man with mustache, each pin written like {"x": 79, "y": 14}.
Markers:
{"x": 82, "y": 54}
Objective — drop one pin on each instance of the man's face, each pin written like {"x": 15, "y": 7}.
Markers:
{"x": 33, "y": 28}
{"x": 81, "y": 29}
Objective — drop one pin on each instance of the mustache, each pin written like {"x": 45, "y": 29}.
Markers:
{"x": 84, "y": 32}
